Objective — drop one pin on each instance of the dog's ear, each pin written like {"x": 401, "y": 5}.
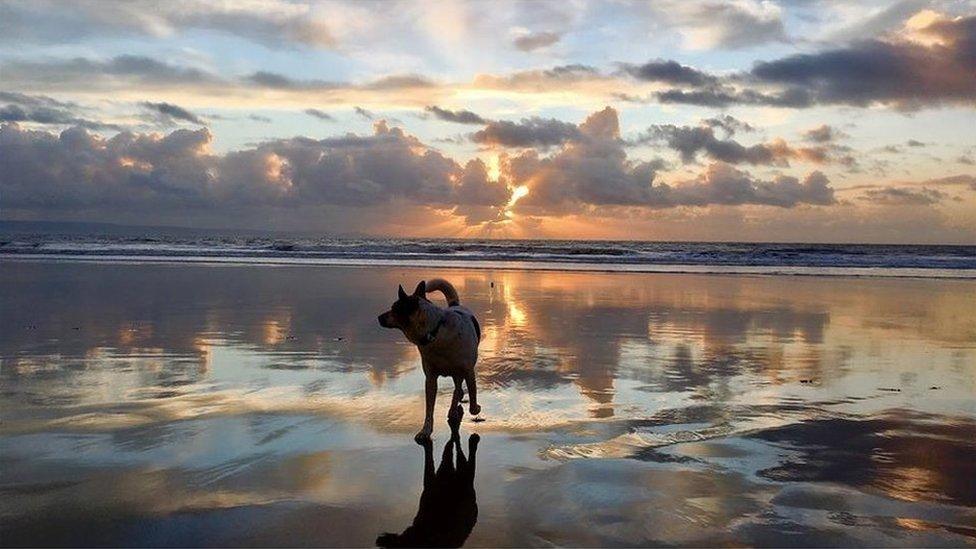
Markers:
{"x": 400, "y": 293}
{"x": 421, "y": 290}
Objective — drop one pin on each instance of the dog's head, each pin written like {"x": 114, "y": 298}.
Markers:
{"x": 406, "y": 315}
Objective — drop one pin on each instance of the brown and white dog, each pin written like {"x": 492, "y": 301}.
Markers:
{"x": 447, "y": 340}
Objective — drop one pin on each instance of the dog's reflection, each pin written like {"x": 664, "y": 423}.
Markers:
{"x": 448, "y": 505}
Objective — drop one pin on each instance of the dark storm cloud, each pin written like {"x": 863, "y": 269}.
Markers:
{"x": 169, "y": 112}
{"x": 458, "y": 116}
{"x": 897, "y": 196}
{"x": 536, "y": 40}
{"x": 529, "y": 132}
{"x": 688, "y": 141}
{"x": 321, "y": 115}
{"x": 670, "y": 72}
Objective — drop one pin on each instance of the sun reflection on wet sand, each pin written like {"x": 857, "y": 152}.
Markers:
{"x": 622, "y": 408}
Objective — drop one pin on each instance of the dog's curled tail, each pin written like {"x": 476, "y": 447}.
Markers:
{"x": 446, "y": 288}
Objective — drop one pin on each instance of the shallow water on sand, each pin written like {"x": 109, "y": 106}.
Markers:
{"x": 259, "y": 405}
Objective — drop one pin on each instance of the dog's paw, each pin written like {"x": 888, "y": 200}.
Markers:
{"x": 422, "y": 437}
{"x": 475, "y": 409}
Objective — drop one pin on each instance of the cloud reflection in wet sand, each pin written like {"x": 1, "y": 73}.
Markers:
{"x": 722, "y": 409}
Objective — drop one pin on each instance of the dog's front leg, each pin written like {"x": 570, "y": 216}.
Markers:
{"x": 430, "y": 395}
{"x": 470, "y": 381}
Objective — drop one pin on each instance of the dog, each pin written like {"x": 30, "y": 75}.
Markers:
{"x": 448, "y": 343}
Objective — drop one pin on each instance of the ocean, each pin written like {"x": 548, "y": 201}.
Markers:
{"x": 182, "y": 245}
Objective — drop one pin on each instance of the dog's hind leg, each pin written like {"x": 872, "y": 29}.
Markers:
{"x": 473, "y": 405}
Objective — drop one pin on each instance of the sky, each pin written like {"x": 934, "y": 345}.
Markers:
{"x": 846, "y": 121}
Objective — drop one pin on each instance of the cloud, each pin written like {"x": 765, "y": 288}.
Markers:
{"x": 670, "y": 72}
{"x": 364, "y": 113}
{"x": 540, "y": 80}
{"x": 321, "y": 115}
{"x": 723, "y": 184}
{"x": 893, "y": 196}
{"x": 876, "y": 21}
{"x": 536, "y": 40}
{"x": 169, "y": 112}
{"x": 725, "y": 96}
{"x": 915, "y": 143}
{"x": 259, "y": 118}
{"x": 930, "y": 63}
{"x": 529, "y": 132}
{"x": 594, "y": 171}
{"x": 121, "y": 72}
{"x": 900, "y": 71}
{"x": 275, "y": 80}
{"x": 591, "y": 169}
{"x": 730, "y": 25}
{"x": 688, "y": 141}
{"x": 458, "y": 116}
{"x": 144, "y": 76}
{"x": 952, "y": 180}
{"x": 79, "y": 171}
{"x": 400, "y": 82}
{"x": 729, "y": 124}
{"x": 274, "y": 23}
{"x": 39, "y": 109}
{"x": 822, "y": 134}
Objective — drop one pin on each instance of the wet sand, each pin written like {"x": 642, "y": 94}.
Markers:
{"x": 147, "y": 404}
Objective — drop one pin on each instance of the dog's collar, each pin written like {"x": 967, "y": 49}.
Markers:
{"x": 430, "y": 336}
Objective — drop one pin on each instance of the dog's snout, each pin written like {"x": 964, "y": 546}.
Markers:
{"x": 384, "y": 320}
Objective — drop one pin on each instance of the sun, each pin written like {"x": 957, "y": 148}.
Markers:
{"x": 517, "y": 193}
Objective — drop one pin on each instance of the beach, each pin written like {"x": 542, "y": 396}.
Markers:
{"x": 173, "y": 404}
